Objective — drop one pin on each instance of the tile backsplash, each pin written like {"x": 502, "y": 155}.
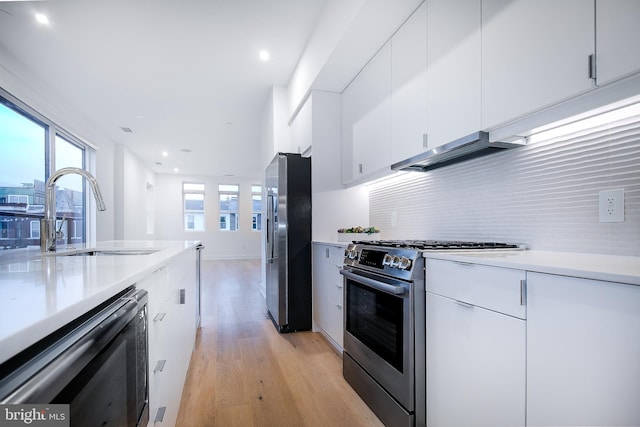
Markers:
{"x": 544, "y": 194}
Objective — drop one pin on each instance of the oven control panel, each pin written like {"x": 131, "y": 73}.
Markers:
{"x": 391, "y": 261}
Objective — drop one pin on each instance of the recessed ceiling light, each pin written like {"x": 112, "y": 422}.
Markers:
{"x": 264, "y": 55}
{"x": 165, "y": 154}
{"x": 42, "y": 18}
{"x": 176, "y": 170}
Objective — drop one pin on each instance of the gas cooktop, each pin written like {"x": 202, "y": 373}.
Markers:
{"x": 438, "y": 245}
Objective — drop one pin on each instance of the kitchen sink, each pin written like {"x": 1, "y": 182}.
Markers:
{"x": 107, "y": 252}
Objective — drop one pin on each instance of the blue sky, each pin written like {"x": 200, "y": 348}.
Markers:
{"x": 22, "y": 152}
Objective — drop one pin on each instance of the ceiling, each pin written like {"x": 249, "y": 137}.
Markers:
{"x": 182, "y": 75}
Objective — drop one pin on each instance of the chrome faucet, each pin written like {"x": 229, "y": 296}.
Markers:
{"x": 48, "y": 233}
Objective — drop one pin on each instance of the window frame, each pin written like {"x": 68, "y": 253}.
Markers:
{"x": 192, "y": 212}
{"x": 52, "y": 130}
{"x": 256, "y": 215}
{"x": 225, "y": 213}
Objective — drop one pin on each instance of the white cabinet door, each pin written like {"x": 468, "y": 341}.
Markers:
{"x": 327, "y": 291}
{"x": 475, "y": 366}
{"x": 583, "y": 348}
{"x": 172, "y": 330}
{"x": 617, "y": 39}
{"x": 453, "y": 72}
{"x": 366, "y": 119}
{"x": 301, "y": 129}
{"x": 409, "y": 86}
{"x": 535, "y": 53}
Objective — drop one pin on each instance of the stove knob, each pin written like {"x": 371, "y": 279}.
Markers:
{"x": 352, "y": 253}
{"x": 386, "y": 260}
{"x": 394, "y": 261}
{"x": 404, "y": 264}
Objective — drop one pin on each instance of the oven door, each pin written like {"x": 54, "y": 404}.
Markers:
{"x": 379, "y": 331}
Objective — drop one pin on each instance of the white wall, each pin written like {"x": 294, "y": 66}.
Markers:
{"x": 131, "y": 180}
{"x": 169, "y": 221}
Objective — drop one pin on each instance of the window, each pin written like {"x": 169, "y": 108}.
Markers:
{"x": 256, "y": 200}
{"x": 193, "y": 204}
{"x": 18, "y": 198}
{"x": 35, "y": 229}
{"x": 31, "y": 148}
{"x": 229, "y": 196}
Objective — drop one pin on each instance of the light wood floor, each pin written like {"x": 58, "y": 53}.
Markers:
{"x": 243, "y": 373}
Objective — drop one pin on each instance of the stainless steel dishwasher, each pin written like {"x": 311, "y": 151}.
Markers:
{"x": 97, "y": 365}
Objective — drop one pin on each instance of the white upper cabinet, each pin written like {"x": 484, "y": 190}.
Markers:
{"x": 453, "y": 70}
{"x": 535, "y": 53}
{"x": 409, "y": 86}
{"x": 617, "y": 39}
{"x": 366, "y": 119}
{"x": 300, "y": 130}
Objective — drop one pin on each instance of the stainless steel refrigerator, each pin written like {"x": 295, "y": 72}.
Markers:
{"x": 288, "y": 242}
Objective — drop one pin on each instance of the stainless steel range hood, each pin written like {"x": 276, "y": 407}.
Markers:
{"x": 469, "y": 147}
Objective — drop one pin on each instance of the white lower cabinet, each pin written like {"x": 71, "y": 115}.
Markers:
{"x": 562, "y": 350}
{"x": 328, "y": 292}
{"x": 583, "y": 352}
{"x": 475, "y": 355}
{"x": 172, "y": 329}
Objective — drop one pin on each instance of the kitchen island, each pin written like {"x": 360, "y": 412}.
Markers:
{"x": 41, "y": 293}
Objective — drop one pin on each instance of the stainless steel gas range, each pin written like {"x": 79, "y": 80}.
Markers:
{"x": 384, "y": 323}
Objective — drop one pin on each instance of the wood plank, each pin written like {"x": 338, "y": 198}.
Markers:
{"x": 244, "y": 373}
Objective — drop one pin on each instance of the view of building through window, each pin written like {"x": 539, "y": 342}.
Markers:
{"x": 256, "y": 200}
{"x": 26, "y": 146}
{"x": 193, "y": 198}
{"x": 229, "y": 195}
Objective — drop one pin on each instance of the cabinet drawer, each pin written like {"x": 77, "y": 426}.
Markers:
{"x": 493, "y": 288}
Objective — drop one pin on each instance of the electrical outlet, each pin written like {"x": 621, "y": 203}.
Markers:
{"x": 611, "y": 205}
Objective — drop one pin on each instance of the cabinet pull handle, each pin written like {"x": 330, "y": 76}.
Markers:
{"x": 160, "y": 414}
{"x": 326, "y": 253}
{"x": 425, "y": 140}
{"x": 592, "y": 66}
{"x": 159, "y": 366}
{"x": 464, "y": 304}
{"x": 523, "y": 292}
{"x": 159, "y": 317}
{"x": 338, "y": 306}
{"x": 359, "y": 167}
{"x": 183, "y": 296}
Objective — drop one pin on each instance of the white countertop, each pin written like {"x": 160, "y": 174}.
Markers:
{"x": 610, "y": 268}
{"x": 321, "y": 242}
{"x": 41, "y": 293}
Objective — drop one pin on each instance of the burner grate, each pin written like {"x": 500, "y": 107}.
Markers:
{"x": 439, "y": 244}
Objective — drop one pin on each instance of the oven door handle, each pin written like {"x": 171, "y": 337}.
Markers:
{"x": 396, "y": 290}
